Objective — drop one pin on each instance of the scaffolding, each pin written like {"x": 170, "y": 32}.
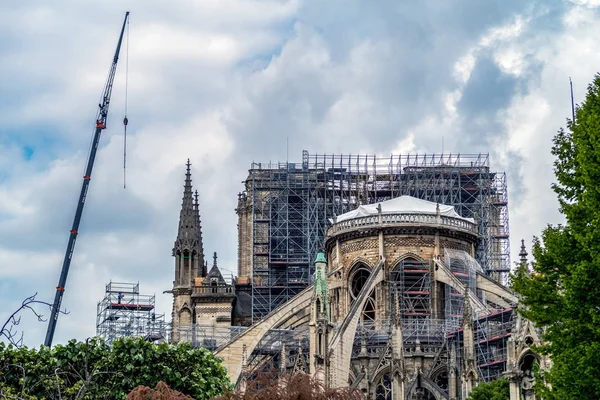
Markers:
{"x": 292, "y": 203}
{"x": 464, "y": 268}
{"x": 410, "y": 284}
{"x": 208, "y": 336}
{"x": 125, "y": 312}
{"x": 491, "y": 343}
{"x": 281, "y": 265}
{"x": 372, "y": 339}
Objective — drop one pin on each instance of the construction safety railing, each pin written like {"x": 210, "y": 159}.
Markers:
{"x": 208, "y": 336}
{"x": 401, "y": 219}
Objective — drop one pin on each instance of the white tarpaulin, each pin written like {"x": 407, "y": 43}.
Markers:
{"x": 402, "y": 205}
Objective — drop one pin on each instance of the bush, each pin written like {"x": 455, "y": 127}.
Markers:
{"x": 92, "y": 369}
{"x": 494, "y": 390}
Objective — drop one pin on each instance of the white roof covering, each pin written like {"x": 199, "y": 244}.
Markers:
{"x": 402, "y": 205}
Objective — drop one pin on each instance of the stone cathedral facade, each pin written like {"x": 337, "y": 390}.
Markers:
{"x": 398, "y": 308}
{"x": 401, "y": 309}
{"x": 201, "y": 296}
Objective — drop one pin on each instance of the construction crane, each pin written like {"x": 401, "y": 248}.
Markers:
{"x": 100, "y": 125}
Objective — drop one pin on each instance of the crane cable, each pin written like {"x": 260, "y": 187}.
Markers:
{"x": 125, "y": 120}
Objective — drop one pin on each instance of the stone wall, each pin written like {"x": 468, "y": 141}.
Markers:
{"x": 244, "y": 212}
{"x": 213, "y": 314}
{"x": 365, "y": 251}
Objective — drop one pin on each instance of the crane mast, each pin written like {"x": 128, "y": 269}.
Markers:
{"x": 100, "y": 125}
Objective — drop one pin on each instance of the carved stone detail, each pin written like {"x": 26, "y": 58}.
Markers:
{"x": 450, "y": 244}
{"x": 358, "y": 245}
{"x": 408, "y": 242}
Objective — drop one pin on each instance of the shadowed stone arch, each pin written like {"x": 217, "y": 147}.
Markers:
{"x": 527, "y": 361}
{"x": 526, "y": 351}
{"x": 356, "y": 264}
{"x": 339, "y": 354}
{"x": 356, "y": 268}
{"x": 185, "y": 307}
{"x": 358, "y": 275}
{"x": 185, "y": 315}
{"x": 382, "y": 384}
{"x": 441, "y": 377}
{"x": 409, "y": 282}
{"x": 405, "y": 256}
{"x": 431, "y": 390}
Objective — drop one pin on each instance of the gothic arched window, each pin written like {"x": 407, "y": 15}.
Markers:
{"x": 410, "y": 288}
{"x": 383, "y": 390}
{"x": 368, "y": 314}
{"x": 358, "y": 280}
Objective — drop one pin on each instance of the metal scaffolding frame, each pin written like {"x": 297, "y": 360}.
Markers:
{"x": 125, "y": 312}
{"x": 292, "y": 203}
{"x": 491, "y": 337}
{"x": 410, "y": 289}
{"x": 280, "y": 264}
{"x": 464, "y": 267}
{"x": 208, "y": 336}
{"x": 372, "y": 339}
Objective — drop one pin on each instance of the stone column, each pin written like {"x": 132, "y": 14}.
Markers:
{"x": 197, "y": 271}
{"x": 514, "y": 388}
{"x": 452, "y": 378}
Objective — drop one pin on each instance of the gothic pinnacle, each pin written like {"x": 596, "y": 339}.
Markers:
{"x": 523, "y": 252}
{"x": 189, "y": 236}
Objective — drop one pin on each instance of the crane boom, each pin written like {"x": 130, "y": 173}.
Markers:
{"x": 100, "y": 125}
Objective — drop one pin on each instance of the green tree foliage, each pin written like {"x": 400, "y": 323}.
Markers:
{"x": 561, "y": 294}
{"x": 92, "y": 370}
{"x": 494, "y": 390}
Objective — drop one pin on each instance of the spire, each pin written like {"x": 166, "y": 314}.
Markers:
{"x": 188, "y": 244}
{"x": 320, "y": 288}
{"x": 523, "y": 253}
{"x": 188, "y": 224}
{"x": 214, "y": 275}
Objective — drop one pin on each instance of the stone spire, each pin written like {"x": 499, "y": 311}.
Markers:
{"x": 188, "y": 248}
{"x": 523, "y": 253}
{"x": 188, "y": 221}
{"x": 321, "y": 288}
{"x": 214, "y": 275}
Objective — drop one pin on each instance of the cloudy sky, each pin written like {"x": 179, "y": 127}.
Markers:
{"x": 227, "y": 82}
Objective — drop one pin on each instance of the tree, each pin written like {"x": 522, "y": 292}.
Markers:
{"x": 94, "y": 370}
{"x": 8, "y": 329}
{"x": 561, "y": 292}
{"x": 494, "y": 390}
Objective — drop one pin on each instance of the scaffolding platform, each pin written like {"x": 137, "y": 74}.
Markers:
{"x": 124, "y": 312}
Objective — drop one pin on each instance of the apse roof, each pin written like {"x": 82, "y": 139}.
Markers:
{"x": 402, "y": 205}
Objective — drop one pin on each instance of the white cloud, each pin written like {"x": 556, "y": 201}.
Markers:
{"x": 510, "y": 60}
{"x": 464, "y": 66}
{"x": 503, "y": 33}
{"x": 587, "y": 3}
{"x": 225, "y": 83}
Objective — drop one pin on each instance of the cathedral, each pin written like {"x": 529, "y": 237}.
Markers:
{"x": 200, "y": 295}
{"x": 397, "y": 307}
